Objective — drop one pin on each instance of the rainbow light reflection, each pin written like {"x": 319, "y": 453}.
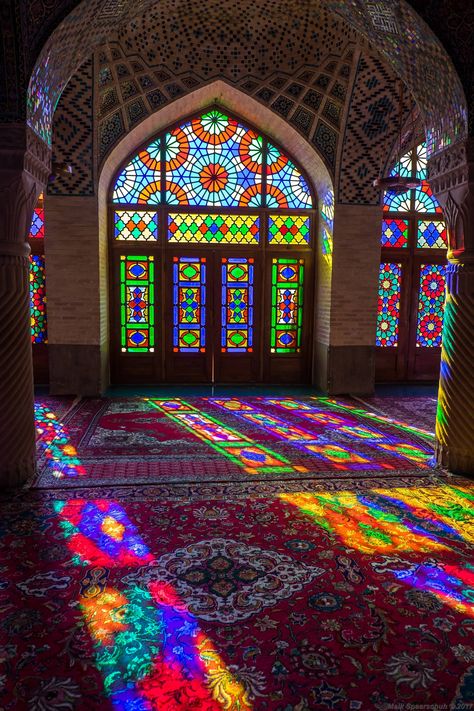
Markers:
{"x": 53, "y": 443}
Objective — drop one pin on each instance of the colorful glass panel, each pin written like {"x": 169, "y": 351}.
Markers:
{"x": 286, "y": 187}
{"x": 389, "y": 305}
{"x": 132, "y": 226}
{"x": 404, "y": 167}
{"x": 213, "y": 160}
{"x": 140, "y": 181}
{"x": 237, "y": 305}
{"x": 421, "y": 162}
{"x": 431, "y": 305}
{"x": 287, "y": 305}
{"x": 213, "y": 229}
{"x": 432, "y": 234}
{"x": 189, "y": 304}
{"x": 37, "y": 224}
{"x": 425, "y": 201}
{"x": 394, "y": 233}
{"x": 137, "y": 304}
{"x": 397, "y": 203}
{"x": 288, "y": 229}
{"x": 37, "y": 299}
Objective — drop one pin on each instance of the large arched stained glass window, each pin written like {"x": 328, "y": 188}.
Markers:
{"x": 412, "y": 274}
{"x": 211, "y": 181}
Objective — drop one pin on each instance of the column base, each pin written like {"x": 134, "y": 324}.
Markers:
{"x": 455, "y": 461}
{"x": 18, "y": 474}
{"x": 76, "y": 370}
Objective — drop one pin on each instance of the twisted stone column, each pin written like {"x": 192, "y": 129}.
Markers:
{"x": 22, "y": 173}
{"x": 452, "y": 180}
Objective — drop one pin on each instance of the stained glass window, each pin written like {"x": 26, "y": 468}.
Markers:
{"x": 237, "y": 305}
{"x": 37, "y": 299}
{"x": 421, "y": 162}
{"x": 130, "y": 225}
{"x": 189, "y": 304}
{"x": 213, "y": 160}
{"x": 287, "y": 305}
{"x": 432, "y": 234}
{"x": 137, "y": 304}
{"x": 286, "y": 186}
{"x": 140, "y": 180}
{"x": 213, "y": 229}
{"x": 389, "y": 304}
{"x": 431, "y": 305}
{"x": 397, "y": 203}
{"x": 37, "y": 224}
{"x": 288, "y": 229}
{"x": 394, "y": 233}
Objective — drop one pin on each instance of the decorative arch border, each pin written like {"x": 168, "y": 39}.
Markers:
{"x": 221, "y": 94}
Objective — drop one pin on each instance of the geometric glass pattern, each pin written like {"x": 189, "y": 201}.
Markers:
{"x": 37, "y": 299}
{"x": 189, "y": 304}
{"x": 394, "y": 233}
{"x": 431, "y": 305}
{"x": 421, "y": 162}
{"x": 213, "y": 229}
{"x": 389, "y": 305}
{"x": 425, "y": 201}
{"x": 396, "y": 203}
{"x": 37, "y": 224}
{"x": 136, "y": 226}
{"x": 137, "y": 304}
{"x": 213, "y": 160}
{"x": 287, "y": 305}
{"x": 140, "y": 181}
{"x": 237, "y": 305}
{"x": 432, "y": 234}
{"x": 288, "y": 229}
{"x": 286, "y": 187}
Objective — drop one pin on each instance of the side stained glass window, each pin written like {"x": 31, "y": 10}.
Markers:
{"x": 137, "y": 304}
{"x": 189, "y": 304}
{"x": 431, "y": 300}
{"x": 389, "y": 304}
{"x": 237, "y": 305}
{"x": 38, "y": 299}
{"x": 37, "y": 224}
{"x": 213, "y": 229}
{"x": 287, "y": 305}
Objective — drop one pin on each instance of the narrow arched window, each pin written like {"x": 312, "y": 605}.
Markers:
{"x": 412, "y": 278}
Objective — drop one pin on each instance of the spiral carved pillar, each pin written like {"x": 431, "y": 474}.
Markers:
{"x": 22, "y": 172}
{"x": 453, "y": 182}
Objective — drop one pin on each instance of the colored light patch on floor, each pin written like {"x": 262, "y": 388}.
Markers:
{"x": 254, "y": 458}
{"x": 53, "y": 444}
{"x": 303, "y": 439}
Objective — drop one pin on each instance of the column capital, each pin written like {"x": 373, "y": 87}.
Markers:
{"x": 452, "y": 169}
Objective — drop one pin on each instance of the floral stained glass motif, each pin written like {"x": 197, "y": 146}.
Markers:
{"x": 287, "y": 305}
{"x": 37, "y": 299}
{"x": 286, "y": 186}
{"x": 214, "y": 161}
{"x": 132, "y": 226}
{"x": 189, "y": 304}
{"x": 421, "y": 162}
{"x": 394, "y": 233}
{"x": 137, "y": 304}
{"x": 389, "y": 305}
{"x": 431, "y": 305}
{"x": 397, "y": 203}
{"x": 213, "y": 229}
{"x": 432, "y": 234}
{"x": 425, "y": 201}
{"x": 237, "y": 305}
{"x": 288, "y": 229}
{"x": 37, "y": 224}
{"x": 140, "y": 180}
{"x": 404, "y": 167}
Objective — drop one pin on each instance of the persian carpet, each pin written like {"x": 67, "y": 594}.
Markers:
{"x": 123, "y": 441}
{"x": 267, "y": 596}
{"x": 418, "y": 411}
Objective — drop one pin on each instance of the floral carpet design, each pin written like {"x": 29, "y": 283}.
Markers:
{"x": 305, "y": 579}
{"x": 223, "y": 439}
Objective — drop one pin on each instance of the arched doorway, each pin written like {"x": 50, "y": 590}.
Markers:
{"x": 211, "y": 235}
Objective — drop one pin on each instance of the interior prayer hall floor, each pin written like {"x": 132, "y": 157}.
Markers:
{"x": 235, "y": 551}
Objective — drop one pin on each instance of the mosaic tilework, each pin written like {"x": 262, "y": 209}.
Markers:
{"x": 73, "y": 135}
